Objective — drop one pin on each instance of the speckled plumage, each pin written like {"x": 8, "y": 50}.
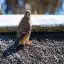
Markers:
{"x": 24, "y": 26}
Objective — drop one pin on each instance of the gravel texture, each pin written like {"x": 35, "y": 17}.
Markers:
{"x": 47, "y": 48}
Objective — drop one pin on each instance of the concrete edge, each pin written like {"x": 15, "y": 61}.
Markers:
{"x": 35, "y": 28}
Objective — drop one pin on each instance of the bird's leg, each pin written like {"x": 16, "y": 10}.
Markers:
{"x": 22, "y": 42}
{"x": 27, "y": 41}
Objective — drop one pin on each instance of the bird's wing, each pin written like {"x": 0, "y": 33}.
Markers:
{"x": 23, "y": 27}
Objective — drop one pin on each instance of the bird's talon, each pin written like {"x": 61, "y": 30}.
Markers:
{"x": 28, "y": 42}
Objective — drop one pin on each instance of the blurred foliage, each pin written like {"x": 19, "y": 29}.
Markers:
{"x": 37, "y": 6}
{"x": 42, "y": 6}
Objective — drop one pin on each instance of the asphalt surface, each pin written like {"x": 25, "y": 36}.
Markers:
{"x": 46, "y": 48}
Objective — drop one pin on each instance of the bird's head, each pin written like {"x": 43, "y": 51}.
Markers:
{"x": 27, "y": 13}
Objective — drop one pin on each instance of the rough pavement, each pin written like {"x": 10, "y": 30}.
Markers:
{"x": 47, "y": 48}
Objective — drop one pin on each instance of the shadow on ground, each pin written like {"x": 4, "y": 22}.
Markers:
{"x": 13, "y": 49}
{"x": 48, "y": 35}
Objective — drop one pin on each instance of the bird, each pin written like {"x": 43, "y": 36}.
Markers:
{"x": 24, "y": 29}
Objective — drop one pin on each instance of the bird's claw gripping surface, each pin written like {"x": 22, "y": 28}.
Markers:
{"x": 28, "y": 42}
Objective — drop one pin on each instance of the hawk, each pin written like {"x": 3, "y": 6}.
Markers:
{"x": 24, "y": 29}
